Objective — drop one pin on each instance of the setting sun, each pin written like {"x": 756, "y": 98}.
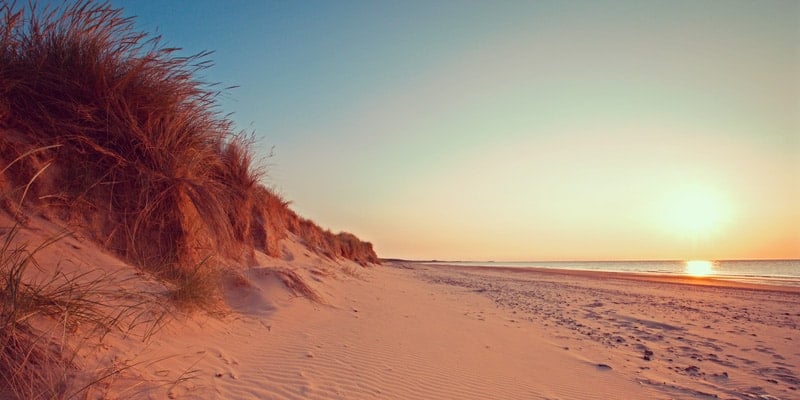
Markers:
{"x": 699, "y": 268}
{"x": 696, "y": 211}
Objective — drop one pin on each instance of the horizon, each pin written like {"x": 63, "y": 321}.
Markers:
{"x": 606, "y": 131}
{"x": 584, "y": 260}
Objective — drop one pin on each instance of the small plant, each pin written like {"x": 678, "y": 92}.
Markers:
{"x": 197, "y": 288}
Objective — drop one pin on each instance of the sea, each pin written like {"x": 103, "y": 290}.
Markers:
{"x": 769, "y": 272}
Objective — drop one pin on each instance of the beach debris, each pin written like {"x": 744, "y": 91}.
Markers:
{"x": 604, "y": 366}
{"x": 692, "y": 370}
{"x": 648, "y": 355}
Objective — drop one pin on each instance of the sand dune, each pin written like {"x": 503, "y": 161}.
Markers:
{"x": 307, "y": 327}
{"x": 143, "y": 257}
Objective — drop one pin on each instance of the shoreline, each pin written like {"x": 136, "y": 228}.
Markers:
{"x": 726, "y": 281}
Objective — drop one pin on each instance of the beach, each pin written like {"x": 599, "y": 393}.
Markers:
{"x": 177, "y": 226}
{"x": 685, "y": 337}
{"x": 407, "y": 330}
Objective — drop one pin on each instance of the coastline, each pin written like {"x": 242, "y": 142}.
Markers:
{"x": 716, "y": 281}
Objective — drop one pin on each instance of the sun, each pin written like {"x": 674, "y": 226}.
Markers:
{"x": 695, "y": 211}
{"x": 699, "y": 268}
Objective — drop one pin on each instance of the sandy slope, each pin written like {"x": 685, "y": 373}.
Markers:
{"x": 411, "y": 331}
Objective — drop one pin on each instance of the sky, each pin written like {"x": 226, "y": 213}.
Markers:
{"x": 482, "y": 130}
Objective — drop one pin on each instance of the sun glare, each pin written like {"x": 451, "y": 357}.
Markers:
{"x": 699, "y": 268}
{"x": 696, "y": 211}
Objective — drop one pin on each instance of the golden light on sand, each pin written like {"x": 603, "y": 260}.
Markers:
{"x": 699, "y": 268}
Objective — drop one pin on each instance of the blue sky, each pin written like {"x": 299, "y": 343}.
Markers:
{"x": 518, "y": 130}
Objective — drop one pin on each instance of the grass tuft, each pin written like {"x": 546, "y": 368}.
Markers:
{"x": 197, "y": 289}
{"x": 44, "y": 315}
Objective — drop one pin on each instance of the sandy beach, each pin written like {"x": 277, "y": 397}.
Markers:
{"x": 215, "y": 201}
{"x": 305, "y": 326}
{"x": 406, "y": 330}
{"x": 683, "y": 337}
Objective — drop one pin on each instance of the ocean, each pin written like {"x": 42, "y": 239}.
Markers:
{"x": 771, "y": 272}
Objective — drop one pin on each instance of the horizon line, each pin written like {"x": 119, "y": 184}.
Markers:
{"x": 583, "y": 260}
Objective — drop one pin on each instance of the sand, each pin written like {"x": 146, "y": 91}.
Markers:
{"x": 415, "y": 331}
{"x": 403, "y": 331}
{"x": 682, "y": 337}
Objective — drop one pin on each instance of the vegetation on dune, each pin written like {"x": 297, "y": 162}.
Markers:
{"x": 45, "y": 320}
{"x": 105, "y": 129}
{"x": 125, "y": 142}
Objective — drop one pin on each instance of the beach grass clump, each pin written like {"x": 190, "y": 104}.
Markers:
{"x": 45, "y": 314}
{"x": 142, "y": 148}
{"x": 29, "y": 367}
{"x": 130, "y": 145}
{"x": 197, "y": 289}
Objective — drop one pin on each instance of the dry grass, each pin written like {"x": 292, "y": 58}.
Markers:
{"x": 106, "y": 129}
{"x": 298, "y": 285}
{"x": 134, "y": 147}
{"x": 140, "y": 140}
{"x": 197, "y": 289}
{"x": 46, "y": 317}
{"x": 352, "y": 271}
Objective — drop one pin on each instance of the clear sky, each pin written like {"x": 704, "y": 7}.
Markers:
{"x": 483, "y": 130}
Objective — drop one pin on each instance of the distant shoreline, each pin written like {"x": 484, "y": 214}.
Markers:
{"x": 432, "y": 261}
{"x": 790, "y": 285}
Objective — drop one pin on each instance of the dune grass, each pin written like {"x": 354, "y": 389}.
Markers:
{"x": 46, "y": 316}
{"x": 104, "y": 128}
{"x": 136, "y": 148}
{"x": 199, "y": 288}
{"x": 140, "y": 139}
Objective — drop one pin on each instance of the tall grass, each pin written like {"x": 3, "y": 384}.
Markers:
{"x": 141, "y": 141}
{"x": 46, "y": 316}
{"x": 137, "y": 150}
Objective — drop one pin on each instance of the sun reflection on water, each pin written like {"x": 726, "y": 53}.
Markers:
{"x": 699, "y": 268}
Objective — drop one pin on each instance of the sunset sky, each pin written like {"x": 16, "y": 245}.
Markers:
{"x": 482, "y": 130}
